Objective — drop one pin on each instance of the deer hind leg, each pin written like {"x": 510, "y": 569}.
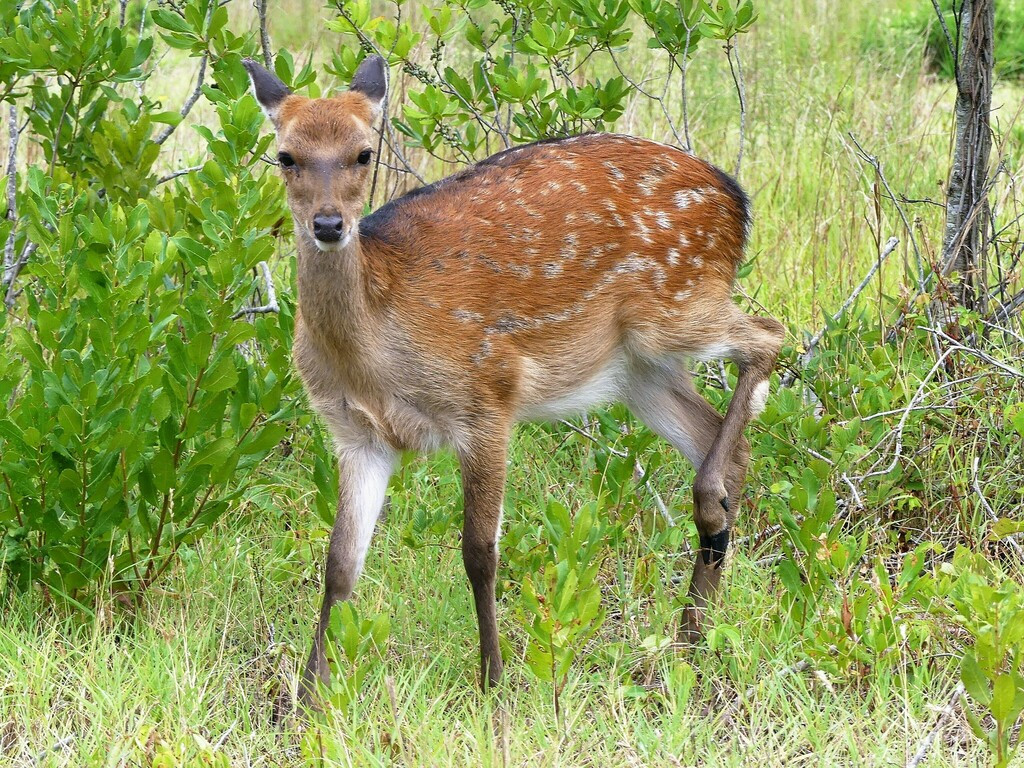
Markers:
{"x": 363, "y": 474}
{"x": 483, "y": 486}
{"x": 753, "y": 343}
{"x": 666, "y": 401}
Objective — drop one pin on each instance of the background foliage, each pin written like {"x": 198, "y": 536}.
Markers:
{"x": 148, "y": 400}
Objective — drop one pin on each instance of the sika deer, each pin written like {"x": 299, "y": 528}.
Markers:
{"x": 543, "y": 281}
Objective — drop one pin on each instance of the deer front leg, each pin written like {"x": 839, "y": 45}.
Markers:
{"x": 483, "y": 486}
{"x": 363, "y": 474}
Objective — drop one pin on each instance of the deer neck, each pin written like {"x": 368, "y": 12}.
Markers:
{"x": 337, "y": 296}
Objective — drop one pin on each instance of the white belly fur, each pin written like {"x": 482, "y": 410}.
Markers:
{"x": 604, "y": 386}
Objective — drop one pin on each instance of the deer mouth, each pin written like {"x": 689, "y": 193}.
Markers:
{"x": 336, "y": 245}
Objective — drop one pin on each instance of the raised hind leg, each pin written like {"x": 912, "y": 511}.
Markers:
{"x": 665, "y": 400}
{"x": 753, "y": 343}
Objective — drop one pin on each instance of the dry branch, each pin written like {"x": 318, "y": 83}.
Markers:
{"x": 271, "y": 305}
{"x": 926, "y": 744}
{"x": 812, "y": 345}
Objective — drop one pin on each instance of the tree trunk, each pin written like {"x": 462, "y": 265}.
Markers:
{"x": 965, "y": 242}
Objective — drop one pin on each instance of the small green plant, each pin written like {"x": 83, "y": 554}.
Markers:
{"x": 355, "y": 648}
{"x": 140, "y": 392}
{"x": 989, "y": 606}
{"x": 562, "y": 604}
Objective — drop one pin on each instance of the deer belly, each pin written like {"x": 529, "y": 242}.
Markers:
{"x": 552, "y": 391}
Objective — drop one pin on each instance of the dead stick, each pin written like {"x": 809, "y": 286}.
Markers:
{"x": 947, "y": 710}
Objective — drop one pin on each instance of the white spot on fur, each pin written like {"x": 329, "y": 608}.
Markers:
{"x": 643, "y": 230}
{"x": 613, "y": 170}
{"x": 698, "y": 261}
{"x": 663, "y": 220}
{"x": 686, "y": 197}
{"x": 682, "y": 295}
{"x": 465, "y": 316}
{"x": 647, "y": 183}
{"x": 673, "y": 257}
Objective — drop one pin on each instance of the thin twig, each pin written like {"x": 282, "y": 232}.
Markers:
{"x": 180, "y": 172}
{"x": 196, "y": 92}
{"x": 808, "y": 354}
{"x": 956, "y": 345}
{"x": 903, "y": 420}
{"x": 637, "y": 87}
{"x": 271, "y": 305}
{"x": 947, "y": 710}
{"x": 391, "y": 140}
{"x": 268, "y": 57}
{"x": 190, "y": 102}
{"x": 874, "y": 162}
{"x": 945, "y": 30}
{"x": 11, "y": 170}
{"x": 737, "y": 78}
{"x": 26, "y": 254}
{"x": 991, "y": 512}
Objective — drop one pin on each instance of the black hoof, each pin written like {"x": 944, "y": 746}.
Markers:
{"x": 714, "y": 547}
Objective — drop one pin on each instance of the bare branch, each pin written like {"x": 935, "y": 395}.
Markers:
{"x": 177, "y": 173}
{"x": 271, "y": 305}
{"x": 903, "y": 421}
{"x": 10, "y": 171}
{"x": 731, "y": 51}
{"x": 947, "y": 710}
{"x": 945, "y": 30}
{"x": 268, "y": 57}
{"x": 637, "y": 87}
{"x": 959, "y": 346}
{"x": 196, "y": 92}
{"x": 808, "y": 354}
{"x": 190, "y": 102}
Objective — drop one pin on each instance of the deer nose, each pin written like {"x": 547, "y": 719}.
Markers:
{"x": 327, "y": 228}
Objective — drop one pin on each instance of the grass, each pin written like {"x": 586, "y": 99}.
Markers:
{"x": 198, "y": 664}
{"x": 189, "y": 679}
{"x": 193, "y": 675}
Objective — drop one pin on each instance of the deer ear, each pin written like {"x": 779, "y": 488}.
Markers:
{"x": 371, "y": 80}
{"x": 270, "y": 92}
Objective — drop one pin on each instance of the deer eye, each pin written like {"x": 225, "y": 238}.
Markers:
{"x": 364, "y": 157}
{"x": 286, "y": 160}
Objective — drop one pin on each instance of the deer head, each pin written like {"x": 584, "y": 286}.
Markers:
{"x": 325, "y": 148}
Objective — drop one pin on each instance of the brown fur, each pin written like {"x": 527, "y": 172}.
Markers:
{"x": 541, "y": 282}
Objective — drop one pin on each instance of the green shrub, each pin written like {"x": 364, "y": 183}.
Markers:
{"x": 139, "y": 400}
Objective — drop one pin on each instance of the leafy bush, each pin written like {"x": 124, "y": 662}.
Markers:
{"x": 139, "y": 399}
{"x": 494, "y": 73}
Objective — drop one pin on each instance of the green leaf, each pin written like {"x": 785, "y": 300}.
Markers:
{"x": 974, "y": 679}
{"x": 1005, "y": 527}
